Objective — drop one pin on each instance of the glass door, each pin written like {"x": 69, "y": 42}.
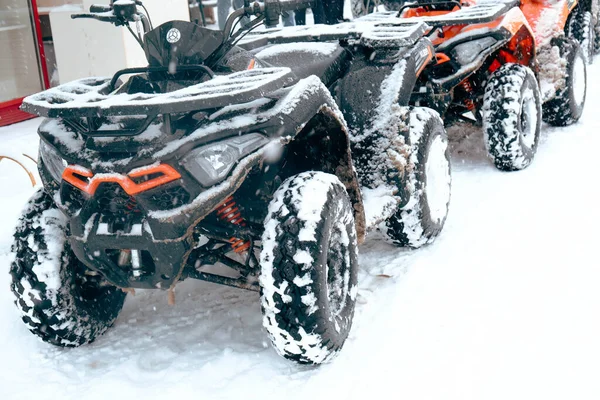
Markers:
{"x": 20, "y": 72}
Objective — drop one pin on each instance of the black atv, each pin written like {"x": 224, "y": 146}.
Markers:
{"x": 212, "y": 155}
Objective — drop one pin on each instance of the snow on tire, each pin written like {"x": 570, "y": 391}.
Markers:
{"x": 59, "y": 299}
{"x": 597, "y": 37}
{"x": 581, "y": 29}
{"x": 309, "y": 263}
{"x": 512, "y": 117}
{"x": 422, "y": 219}
{"x": 566, "y": 107}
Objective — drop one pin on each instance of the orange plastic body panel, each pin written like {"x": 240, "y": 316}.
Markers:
{"x": 535, "y": 9}
{"x": 521, "y": 48}
{"x": 86, "y": 181}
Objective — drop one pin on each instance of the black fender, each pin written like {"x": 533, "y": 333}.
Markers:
{"x": 361, "y": 90}
{"x": 375, "y": 97}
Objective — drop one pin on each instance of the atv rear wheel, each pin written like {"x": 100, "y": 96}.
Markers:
{"x": 309, "y": 263}
{"x": 567, "y": 105}
{"x": 597, "y": 36}
{"x": 512, "y": 117}
{"x": 422, "y": 219}
{"x": 61, "y": 301}
{"x": 581, "y": 29}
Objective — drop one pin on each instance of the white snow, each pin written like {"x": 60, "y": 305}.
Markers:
{"x": 379, "y": 202}
{"x": 437, "y": 176}
{"x": 504, "y": 305}
{"x": 323, "y": 49}
{"x": 303, "y": 256}
{"x": 552, "y": 71}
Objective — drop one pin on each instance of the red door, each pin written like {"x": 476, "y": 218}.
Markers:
{"x": 22, "y": 71}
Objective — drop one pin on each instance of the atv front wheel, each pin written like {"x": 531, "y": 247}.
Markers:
{"x": 567, "y": 105}
{"x": 60, "y": 300}
{"x": 422, "y": 219}
{"x": 512, "y": 117}
{"x": 309, "y": 263}
{"x": 581, "y": 29}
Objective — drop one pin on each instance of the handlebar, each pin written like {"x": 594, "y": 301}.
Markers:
{"x": 119, "y": 13}
{"x": 104, "y": 17}
{"x": 122, "y": 12}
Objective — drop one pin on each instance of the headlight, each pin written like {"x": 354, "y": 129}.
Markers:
{"x": 54, "y": 163}
{"x": 467, "y": 52}
{"x": 210, "y": 164}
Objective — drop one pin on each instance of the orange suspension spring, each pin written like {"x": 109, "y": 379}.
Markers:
{"x": 229, "y": 212}
{"x": 468, "y": 88}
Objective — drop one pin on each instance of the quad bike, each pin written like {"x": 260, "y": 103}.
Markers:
{"x": 493, "y": 58}
{"x": 210, "y": 155}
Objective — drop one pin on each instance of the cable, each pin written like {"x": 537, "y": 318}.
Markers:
{"x": 148, "y": 16}
{"x": 135, "y": 36}
{"x": 260, "y": 19}
{"x": 235, "y": 26}
{"x": 243, "y": 32}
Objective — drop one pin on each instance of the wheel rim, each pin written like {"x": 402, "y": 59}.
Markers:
{"x": 437, "y": 179}
{"x": 579, "y": 84}
{"x": 337, "y": 272}
{"x": 529, "y": 119}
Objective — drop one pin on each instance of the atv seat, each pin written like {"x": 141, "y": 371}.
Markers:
{"x": 325, "y": 60}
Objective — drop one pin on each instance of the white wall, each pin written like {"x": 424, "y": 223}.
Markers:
{"x": 87, "y": 47}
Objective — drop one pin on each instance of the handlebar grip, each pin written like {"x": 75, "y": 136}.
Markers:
{"x": 104, "y": 18}
{"x": 77, "y": 16}
{"x": 99, "y": 8}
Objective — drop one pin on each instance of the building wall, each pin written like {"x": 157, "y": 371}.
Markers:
{"x": 92, "y": 48}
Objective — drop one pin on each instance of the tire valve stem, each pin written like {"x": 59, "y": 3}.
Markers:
{"x": 229, "y": 212}
{"x": 468, "y": 88}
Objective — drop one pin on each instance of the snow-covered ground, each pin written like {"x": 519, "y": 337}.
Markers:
{"x": 505, "y": 305}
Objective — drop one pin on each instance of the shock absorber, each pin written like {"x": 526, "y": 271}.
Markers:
{"x": 229, "y": 212}
{"x": 467, "y": 86}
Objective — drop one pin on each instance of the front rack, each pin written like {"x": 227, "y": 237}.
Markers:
{"x": 90, "y": 97}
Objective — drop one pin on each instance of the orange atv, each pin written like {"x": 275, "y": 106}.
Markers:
{"x": 492, "y": 59}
